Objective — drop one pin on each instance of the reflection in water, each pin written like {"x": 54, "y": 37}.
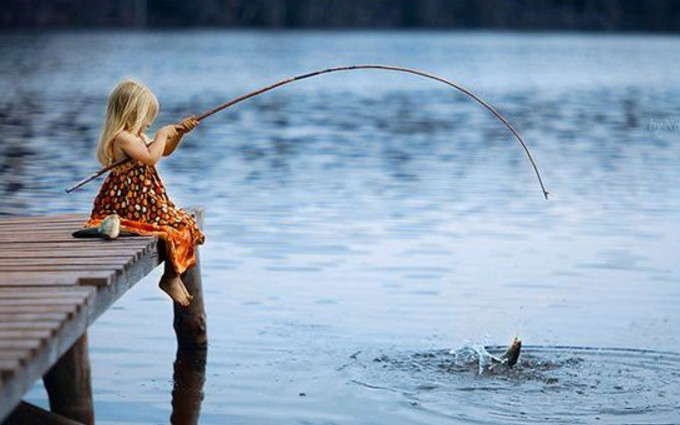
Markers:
{"x": 188, "y": 381}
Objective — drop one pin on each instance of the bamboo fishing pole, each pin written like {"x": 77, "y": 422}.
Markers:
{"x": 347, "y": 68}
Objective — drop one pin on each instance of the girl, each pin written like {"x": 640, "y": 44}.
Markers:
{"x": 134, "y": 190}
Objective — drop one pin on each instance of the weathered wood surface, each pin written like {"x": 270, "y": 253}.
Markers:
{"x": 52, "y": 287}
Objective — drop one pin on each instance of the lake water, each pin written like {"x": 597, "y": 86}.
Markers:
{"x": 360, "y": 223}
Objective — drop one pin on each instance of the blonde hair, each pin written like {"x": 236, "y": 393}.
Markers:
{"x": 131, "y": 104}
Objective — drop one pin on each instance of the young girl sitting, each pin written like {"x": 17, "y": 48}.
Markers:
{"x": 134, "y": 190}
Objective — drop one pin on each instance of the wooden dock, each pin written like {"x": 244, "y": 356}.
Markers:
{"x": 52, "y": 287}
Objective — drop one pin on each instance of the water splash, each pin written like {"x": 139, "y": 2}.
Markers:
{"x": 550, "y": 384}
{"x": 470, "y": 354}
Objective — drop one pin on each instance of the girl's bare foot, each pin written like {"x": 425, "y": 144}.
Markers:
{"x": 185, "y": 290}
{"x": 173, "y": 286}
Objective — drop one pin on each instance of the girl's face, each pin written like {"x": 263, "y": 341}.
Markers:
{"x": 146, "y": 124}
{"x": 151, "y": 116}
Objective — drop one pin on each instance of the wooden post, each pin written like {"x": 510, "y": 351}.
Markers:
{"x": 190, "y": 322}
{"x": 69, "y": 386}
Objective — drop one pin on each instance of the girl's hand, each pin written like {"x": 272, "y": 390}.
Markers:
{"x": 187, "y": 125}
{"x": 170, "y": 131}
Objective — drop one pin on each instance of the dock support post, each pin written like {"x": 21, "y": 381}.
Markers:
{"x": 190, "y": 322}
{"x": 69, "y": 385}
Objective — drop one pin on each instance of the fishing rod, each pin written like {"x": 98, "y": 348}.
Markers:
{"x": 346, "y": 68}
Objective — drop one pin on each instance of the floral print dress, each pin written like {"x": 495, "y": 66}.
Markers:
{"x": 135, "y": 192}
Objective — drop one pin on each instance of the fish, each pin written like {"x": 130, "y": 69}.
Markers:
{"x": 510, "y": 357}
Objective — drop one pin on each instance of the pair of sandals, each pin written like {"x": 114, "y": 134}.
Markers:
{"x": 108, "y": 229}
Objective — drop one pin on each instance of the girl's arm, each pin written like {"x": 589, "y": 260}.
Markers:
{"x": 182, "y": 128}
{"x": 137, "y": 150}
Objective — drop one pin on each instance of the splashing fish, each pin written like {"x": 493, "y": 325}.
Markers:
{"x": 511, "y": 355}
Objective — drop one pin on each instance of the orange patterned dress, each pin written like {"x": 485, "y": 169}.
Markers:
{"x": 136, "y": 193}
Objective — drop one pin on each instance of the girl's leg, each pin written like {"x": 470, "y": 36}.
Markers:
{"x": 171, "y": 284}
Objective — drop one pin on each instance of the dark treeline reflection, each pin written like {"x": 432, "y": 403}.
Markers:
{"x": 607, "y": 15}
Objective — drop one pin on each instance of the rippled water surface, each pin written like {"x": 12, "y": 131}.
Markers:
{"x": 382, "y": 214}
{"x": 548, "y": 385}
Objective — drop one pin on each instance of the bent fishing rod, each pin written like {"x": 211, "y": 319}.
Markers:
{"x": 347, "y": 68}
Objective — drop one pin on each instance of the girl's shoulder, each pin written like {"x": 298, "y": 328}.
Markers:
{"x": 125, "y": 136}
{"x": 122, "y": 140}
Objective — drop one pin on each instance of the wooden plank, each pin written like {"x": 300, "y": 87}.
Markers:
{"x": 27, "y": 359}
{"x": 88, "y": 254}
{"x": 47, "y": 227}
{"x": 93, "y": 244}
{"x": 25, "y": 334}
{"x": 77, "y": 251}
{"x": 31, "y": 316}
{"x": 75, "y": 248}
{"x": 13, "y": 293}
{"x": 35, "y": 227}
{"x": 44, "y": 272}
{"x": 24, "y": 327}
{"x": 58, "y": 237}
{"x": 47, "y": 218}
{"x": 83, "y": 244}
{"x": 81, "y": 251}
{"x": 39, "y": 224}
{"x": 9, "y": 293}
{"x": 41, "y": 218}
{"x": 34, "y": 324}
{"x": 26, "y": 344}
{"x": 81, "y": 254}
{"x": 59, "y": 268}
{"x": 7, "y": 365}
{"x": 37, "y": 292}
{"x": 11, "y": 354}
{"x": 30, "y": 238}
{"x": 46, "y": 222}
{"x": 56, "y": 278}
{"x": 86, "y": 243}
{"x": 67, "y": 233}
{"x": 26, "y": 302}
{"x": 63, "y": 308}
{"x": 10, "y": 232}
{"x": 74, "y": 261}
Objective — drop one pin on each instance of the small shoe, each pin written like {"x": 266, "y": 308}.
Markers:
{"x": 110, "y": 227}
